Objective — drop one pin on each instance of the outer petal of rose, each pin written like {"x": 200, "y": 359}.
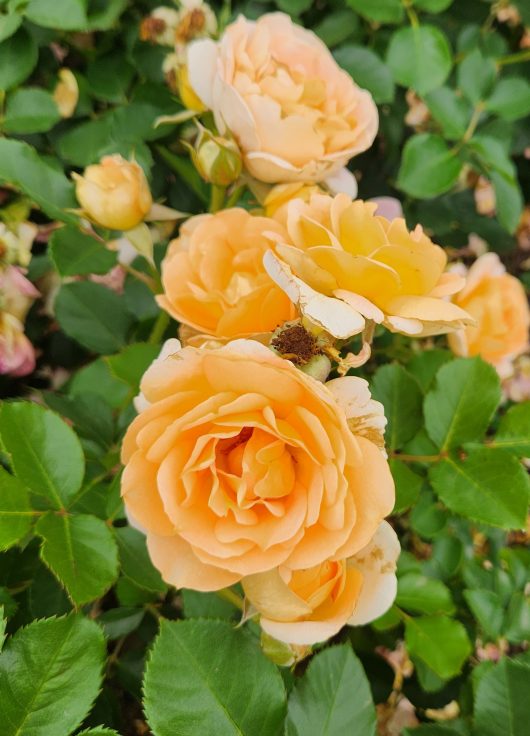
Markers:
{"x": 232, "y": 112}
{"x": 488, "y": 265}
{"x": 361, "y": 304}
{"x": 436, "y": 315}
{"x": 170, "y": 347}
{"x": 449, "y": 283}
{"x": 377, "y": 563}
{"x": 353, "y": 395}
{"x": 333, "y": 315}
{"x": 273, "y": 169}
{"x": 202, "y": 67}
{"x": 458, "y": 343}
{"x": 178, "y": 565}
{"x": 388, "y": 207}
{"x": 374, "y": 497}
{"x": 273, "y": 598}
{"x": 140, "y": 493}
{"x": 342, "y": 181}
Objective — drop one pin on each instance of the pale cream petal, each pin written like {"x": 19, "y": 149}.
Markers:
{"x": 272, "y": 597}
{"x": 342, "y": 181}
{"x": 202, "y": 58}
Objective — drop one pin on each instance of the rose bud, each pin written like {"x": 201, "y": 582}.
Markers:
{"x": 217, "y": 159}
{"x": 114, "y": 193}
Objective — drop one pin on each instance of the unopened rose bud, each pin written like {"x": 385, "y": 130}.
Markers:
{"x": 217, "y": 159}
{"x": 66, "y": 93}
{"x": 114, "y": 193}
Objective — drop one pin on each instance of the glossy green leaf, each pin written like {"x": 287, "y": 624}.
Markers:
{"x": 441, "y": 642}
{"x": 510, "y": 98}
{"x": 476, "y": 75}
{"x": 433, "y": 6}
{"x": 68, "y": 15}
{"x": 487, "y": 486}
{"x": 43, "y": 451}
{"x": 93, "y": 315}
{"x": 501, "y": 702}
{"x": 333, "y": 697}
{"x": 81, "y": 552}
{"x": 421, "y": 594}
{"x": 336, "y": 27}
{"x": 76, "y": 253}
{"x": 419, "y": 57}
{"x": 487, "y": 608}
{"x": 229, "y": 689}
{"x": 382, "y": 11}
{"x": 455, "y": 412}
{"x": 367, "y": 70}
{"x": 425, "y": 365}
{"x": 513, "y": 433}
{"x": 135, "y": 561}
{"x": 118, "y": 622}
{"x": 50, "y": 674}
{"x": 9, "y": 24}
{"x": 428, "y": 166}
{"x": 16, "y": 515}
{"x": 30, "y": 110}
{"x": 452, "y": 112}
{"x": 408, "y": 485}
{"x": 131, "y": 364}
{"x": 18, "y": 58}
{"x": 401, "y": 396}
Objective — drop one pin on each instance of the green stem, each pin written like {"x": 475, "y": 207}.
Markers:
{"x": 470, "y": 130}
{"x": 217, "y": 198}
{"x": 228, "y": 595}
{"x": 159, "y": 327}
{"x": 417, "y": 458}
{"x": 514, "y": 58}
{"x": 413, "y": 17}
{"x": 233, "y": 199}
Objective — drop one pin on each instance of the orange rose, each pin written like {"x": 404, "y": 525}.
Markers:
{"x": 114, "y": 193}
{"x": 311, "y": 605}
{"x": 214, "y": 280}
{"x": 294, "y": 113}
{"x": 239, "y": 462}
{"x": 499, "y": 305}
{"x": 342, "y": 265}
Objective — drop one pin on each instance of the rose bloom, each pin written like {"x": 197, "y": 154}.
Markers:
{"x": 17, "y": 356}
{"x": 214, "y": 279}
{"x": 499, "y": 304}
{"x": 310, "y": 605}
{"x": 239, "y": 463}
{"x": 342, "y": 265}
{"x": 114, "y": 193}
{"x": 294, "y": 113}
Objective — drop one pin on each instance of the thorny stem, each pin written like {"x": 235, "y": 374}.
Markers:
{"x": 228, "y": 595}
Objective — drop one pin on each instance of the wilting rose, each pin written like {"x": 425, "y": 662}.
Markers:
{"x": 114, "y": 193}
{"x": 239, "y": 463}
{"x": 499, "y": 305}
{"x": 312, "y": 604}
{"x": 66, "y": 93}
{"x": 342, "y": 265}
{"x": 16, "y": 242}
{"x": 17, "y": 356}
{"x": 214, "y": 279}
{"x": 16, "y": 292}
{"x": 294, "y": 113}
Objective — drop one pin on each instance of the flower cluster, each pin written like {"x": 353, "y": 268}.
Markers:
{"x": 246, "y": 464}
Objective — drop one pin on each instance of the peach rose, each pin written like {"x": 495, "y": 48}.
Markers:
{"x": 499, "y": 304}
{"x": 214, "y": 280}
{"x": 310, "y": 605}
{"x": 342, "y": 265}
{"x": 294, "y": 113}
{"x": 239, "y": 463}
{"x": 114, "y": 193}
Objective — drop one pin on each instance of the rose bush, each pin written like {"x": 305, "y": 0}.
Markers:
{"x": 265, "y": 417}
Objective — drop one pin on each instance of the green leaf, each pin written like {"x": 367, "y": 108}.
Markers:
{"x": 501, "y": 701}
{"x": 419, "y": 57}
{"x": 428, "y": 167}
{"x": 99, "y": 731}
{"x": 105, "y": 13}
{"x": 333, "y": 697}
{"x": 118, "y": 622}
{"x": 425, "y": 365}
{"x": 22, "y": 166}
{"x": 3, "y": 623}
{"x": 294, "y": 7}
{"x": 9, "y": 24}
{"x": 453, "y": 113}
{"x": 475, "y": 75}
{"x": 110, "y": 87}
{"x": 30, "y": 110}
{"x": 513, "y": 433}
{"x": 510, "y": 98}
{"x": 336, "y": 27}
{"x": 67, "y": 15}
{"x": 226, "y": 689}
{"x": 486, "y": 606}
{"x": 382, "y": 11}
{"x": 438, "y": 641}
{"x": 428, "y": 519}
{"x": 455, "y": 412}
{"x": 18, "y": 58}
{"x": 81, "y": 552}
{"x": 421, "y": 594}
{"x": 408, "y": 485}
{"x": 97, "y": 378}
{"x": 517, "y": 625}
{"x": 135, "y": 561}
{"x": 43, "y": 451}
{"x": 487, "y": 486}
{"x": 91, "y": 415}
{"x": 368, "y": 71}
{"x": 131, "y": 364}
{"x": 76, "y": 253}
{"x": 401, "y": 396}
{"x": 15, "y": 512}
{"x": 433, "y": 6}
{"x": 50, "y": 674}
{"x": 93, "y": 315}
{"x": 207, "y": 605}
